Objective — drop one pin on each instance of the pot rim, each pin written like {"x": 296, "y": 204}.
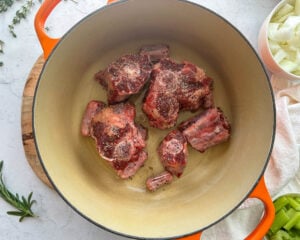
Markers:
{"x": 98, "y": 11}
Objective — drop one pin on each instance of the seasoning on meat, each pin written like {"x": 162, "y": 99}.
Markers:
{"x": 173, "y": 155}
{"x": 128, "y": 169}
{"x": 91, "y": 109}
{"x": 124, "y": 77}
{"x": 207, "y": 129}
{"x": 119, "y": 140}
{"x": 174, "y": 87}
{"x": 173, "y": 152}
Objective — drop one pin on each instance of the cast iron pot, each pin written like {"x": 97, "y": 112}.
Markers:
{"x": 214, "y": 183}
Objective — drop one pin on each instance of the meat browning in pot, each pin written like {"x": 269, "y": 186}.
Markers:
{"x": 173, "y": 152}
{"x": 154, "y": 183}
{"x": 119, "y": 140}
{"x": 91, "y": 109}
{"x": 207, "y": 129}
{"x": 195, "y": 88}
{"x": 173, "y": 155}
{"x": 128, "y": 169}
{"x": 124, "y": 77}
{"x": 208, "y": 100}
{"x": 161, "y": 109}
{"x": 155, "y": 52}
{"x": 174, "y": 87}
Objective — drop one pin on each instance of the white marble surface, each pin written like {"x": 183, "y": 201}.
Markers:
{"x": 56, "y": 220}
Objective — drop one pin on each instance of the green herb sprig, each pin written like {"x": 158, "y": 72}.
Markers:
{"x": 5, "y": 4}
{"x": 22, "y": 13}
{"x": 22, "y": 204}
{"x": 1, "y": 51}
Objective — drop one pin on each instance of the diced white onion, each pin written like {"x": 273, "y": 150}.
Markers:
{"x": 282, "y": 34}
{"x": 288, "y": 65}
{"x": 280, "y": 55}
{"x": 291, "y": 21}
{"x": 298, "y": 57}
{"x": 284, "y": 37}
{"x": 297, "y": 7}
{"x": 282, "y": 12}
{"x": 274, "y": 46}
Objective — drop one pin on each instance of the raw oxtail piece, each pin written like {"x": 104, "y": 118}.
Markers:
{"x": 173, "y": 153}
{"x": 124, "y": 77}
{"x": 91, "y": 109}
{"x": 174, "y": 87}
{"x": 207, "y": 129}
{"x": 156, "y": 182}
{"x": 119, "y": 140}
{"x": 155, "y": 52}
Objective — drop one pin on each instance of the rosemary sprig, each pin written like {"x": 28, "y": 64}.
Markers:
{"x": 5, "y": 4}
{"x": 1, "y": 51}
{"x": 22, "y": 13}
{"x": 1, "y": 46}
{"x": 22, "y": 204}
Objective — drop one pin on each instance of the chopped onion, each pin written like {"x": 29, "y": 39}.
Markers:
{"x": 280, "y": 55}
{"x": 284, "y": 36}
{"x": 288, "y": 65}
{"x": 284, "y": 10}
{"x": 274, "y": 46}
{"x": 297, "y": 7}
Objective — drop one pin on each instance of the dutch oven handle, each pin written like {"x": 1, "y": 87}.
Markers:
{"x": 47, "y": 42}
{"x": 260, "y": 190}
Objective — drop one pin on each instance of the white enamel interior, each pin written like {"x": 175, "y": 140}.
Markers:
{"x": 214, "y": 182}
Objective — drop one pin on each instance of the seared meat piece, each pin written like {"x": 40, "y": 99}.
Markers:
{"x": 173, "y": 152}
{"x": 118, "y": 137}
{"x": 206, "y": 129}
{"x": 194, "y": 87}
{"x": 208, "y": 100}
{"x": 155, "y": 52}
{"x": 91, "y": 109}
{"x": 173, "y": 156}
{"x": 161, "y": 104}
{"x": 124, "y": 77}
{"x": 119, "y": 140}
{"x": 162, "y": 110}
{"x": 153, "y": 183}
{"x": 129, "y": 168}
{"x": 175, "y": 86}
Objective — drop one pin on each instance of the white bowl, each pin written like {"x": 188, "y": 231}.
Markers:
{"x": 264, "y": 49}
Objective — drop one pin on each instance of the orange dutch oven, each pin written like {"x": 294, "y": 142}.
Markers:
{"x": 214, "y": 183}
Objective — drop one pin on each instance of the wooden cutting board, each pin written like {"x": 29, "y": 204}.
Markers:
{"x": 26, "y": 120}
